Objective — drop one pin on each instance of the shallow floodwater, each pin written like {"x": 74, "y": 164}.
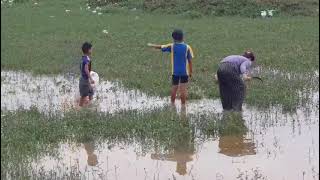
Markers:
{"x": 58, "y": 94}
{"x": 278, "y": 145}
{"x": 276, "y": 153}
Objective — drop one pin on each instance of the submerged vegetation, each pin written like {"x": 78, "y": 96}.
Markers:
{"x": 29, "y": 134}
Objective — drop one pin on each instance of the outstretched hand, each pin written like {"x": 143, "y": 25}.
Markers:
{"x": 150, "y": 44}
{"x": 154, "y": 46}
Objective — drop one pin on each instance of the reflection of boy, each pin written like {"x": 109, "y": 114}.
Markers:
{"x": 182, "y": 153}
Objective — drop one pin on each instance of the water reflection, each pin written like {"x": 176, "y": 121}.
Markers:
{"x": 186, "y": 156}
{"x": 92, "y": 157}
{"x": 182, "y": 149}
{"x": 234, "y": 139}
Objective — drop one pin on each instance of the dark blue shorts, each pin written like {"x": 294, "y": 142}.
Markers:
{"x": 85, "y": 88}
{"x": 176, "y": 80}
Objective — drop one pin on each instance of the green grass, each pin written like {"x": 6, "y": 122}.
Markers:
{"x": 35, "y": 42}
{"x": 26, "y": 135}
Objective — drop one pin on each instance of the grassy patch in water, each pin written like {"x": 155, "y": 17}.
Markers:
{"x": 27, "y": 135}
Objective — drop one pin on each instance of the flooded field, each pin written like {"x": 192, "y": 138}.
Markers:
{"x": 275, "y": 153}
{"x": 130, "y": 131}
{"x": 52, "y": 95}
{"x": 274, "y": 144}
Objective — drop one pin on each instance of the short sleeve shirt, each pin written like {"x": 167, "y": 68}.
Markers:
{"x": 242, "y": 63}
{"x": 84, "y": 60}
{"x": 181, "y": 56}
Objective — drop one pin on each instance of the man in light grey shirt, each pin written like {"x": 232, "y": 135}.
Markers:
{"x": 231, "y": 86}
{"x": 242, "y": 62}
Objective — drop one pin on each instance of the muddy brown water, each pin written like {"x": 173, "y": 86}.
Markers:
{"x": 278, "y": 145}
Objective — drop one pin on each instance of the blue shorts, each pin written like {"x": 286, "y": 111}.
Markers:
{"x": 176, "y": 80}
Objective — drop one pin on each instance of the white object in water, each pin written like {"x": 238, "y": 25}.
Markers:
{"x": 270, "y": 12}
{"x": 95, "y": 77}
{"x": 263, "y": 14}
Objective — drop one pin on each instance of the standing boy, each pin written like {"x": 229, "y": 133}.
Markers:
{"x": 181, "y": 64}
{"x": 85, "y": 88}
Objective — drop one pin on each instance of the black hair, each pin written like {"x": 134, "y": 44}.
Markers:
{"x": 86, "y": 47}
{"x": 177, "y": 35}
{"x": 249, "y": 55}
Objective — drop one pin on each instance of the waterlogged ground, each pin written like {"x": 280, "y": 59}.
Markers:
{"x": 275, "y": 144}
{"x": 53, "y": 95}
{"x": 273, "y": 153}
{"x": 57, "y": 94}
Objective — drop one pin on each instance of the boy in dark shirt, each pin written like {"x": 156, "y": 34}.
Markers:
{"x": 85, "y": 88}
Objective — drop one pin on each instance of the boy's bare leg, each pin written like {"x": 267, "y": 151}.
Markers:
{"x": 183, "y": 112}
{"x": 88, "y": 100}
{"x": 174, "y": 90}
{"x": 183, "y": 93}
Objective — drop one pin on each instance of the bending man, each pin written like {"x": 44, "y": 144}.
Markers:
{"x": 231, "y": 85}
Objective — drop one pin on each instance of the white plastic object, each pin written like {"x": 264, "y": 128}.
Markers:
{"x": 95, "y": 77}
{"x": 263, "y": 14}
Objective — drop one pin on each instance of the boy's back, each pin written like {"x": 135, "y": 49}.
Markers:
{"x": 181, "y": 64}
{"x": 181, "y": 55}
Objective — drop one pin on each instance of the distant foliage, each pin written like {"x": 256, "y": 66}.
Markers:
{"x": 249, "y": 8}
{"x": 13, "y": 1}
{"x": 198, "y": 8}
{"x": 105, "y": 2}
